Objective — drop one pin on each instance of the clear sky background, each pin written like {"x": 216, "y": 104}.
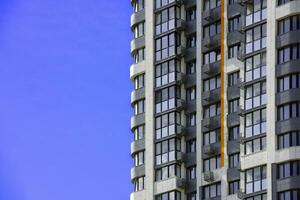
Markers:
{"x": 65, "y": 100}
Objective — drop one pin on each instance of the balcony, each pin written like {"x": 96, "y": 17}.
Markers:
{"x": 136, "y": 44}
{"x": 211, "y": 69}
{"x": 137, "y": 120}
{"x": 210, "y": 97}
{"x": 137, "y": 17}
{"x": 137, "y": 146}
{"x": 235, "y": 9}
{"x": 137, "y": 172}
{"x": 209, "y": 176}
{"x": 288, "y": 125}
{"x": 210, "y": 43}
{"x": 288, "y": 68}
{"x": 288, "y": 38}
{"x": 292, "y": 95}
{"x": 137, "y": 95}
{"x": 211, "y": 15}
{"x": 210, "y": 150}
{"x": 210, "y": 123}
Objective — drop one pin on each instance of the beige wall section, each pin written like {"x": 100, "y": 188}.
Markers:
{"x": 149, "y": 79}
{"x": 271, "y": 91}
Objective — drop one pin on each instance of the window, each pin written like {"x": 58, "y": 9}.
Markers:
{"x": 289, "y": 139}
{"x": 166, "y": 151}
{"x": 288, "y": 53}
{"x": 255, "y": 67}
{"x": 211, "y": 164}
{"x": 165, "y": 125}
{"x": 191, "y": 41}
{"x": 139, "y": 82}
{"x": 210, "y": 4}
{"x": 165, "y": 99}
{"x": 191, "y": 196}
{"x": 234, "y": 187}
{"x": 139, "y": 158}
{"x": 288, "y": 111}
{"x": 191, "y": 14}
{"x": 258, "y": 197}
{"x": 166, "y": 72}
{"x": 233, "y": 78}
{"x": 212, "y": 29}
{"x": 288, "y": 169}
{"x": 234, "y": 159}
{"x": 211, "y": 191}
{"x": 233, "y": 106}
{"x": 281, "y": 2}
{"x": 256, "y": 11}
{"x": 167, "y": 172}
{"x": 288, "y": 24}
{"x": 289, "y": 195}
{"x": 255, "y": 123}
{"x": 165, "y": 20}
{"x": 191, "y": 120}
{"x": 162, "y": 3}
{"x": 191, "y": 173}
{"x": 211, "y": 57}
{"x": 191, "y": 67}
{"x": 139, "y": 30}
{"x": 256, "y": 179}
{"x": 138, "y": 5}
{"x": 231, "y": 2}
{"x": 191, "y": 146}
{"x": 256, "y": 38}
{"x": 174, "y": 195}
{"x": 211, "y": 137}
{"x": 139, "y": 55}
{"x": 139, "y": 183}
{"x": 234, "y": 24}
{"x": 234, "y": 133}
{"x": 211, "y": 110}
{"x": 139, "y": 132}
{"x": 233, "y": 51}
{"x": 255, "y": 95}
{"x": 191, "y": 93}
{"x": 139, "y": 107}
{"x": 288, "y": 82}
{"x": 211, "y": 83}
{"x": 166, "y": 46}
{"x": 255, "y": 145}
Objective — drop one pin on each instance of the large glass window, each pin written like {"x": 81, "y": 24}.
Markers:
{"x": 166, "y": 46}
{"x": 234, "y": 133}
{"x": 162, "y": 3}
{"x": 233, "y": 78}
{"x": 167, "y": 151}
{"x": 256, "y": 38}
{"x": 165, "y": 20}
{"x": 139, "y": 107}
{"x": 256, "y": 179}
{"x": 211, "y": 57}
{"x": 174, "y": 195}
{"x": 138, "y": 5}
{"x": 256, "y": 11}
{"x": 212, "y": 29}
{"x": 234, "y": 187}
{"x": 211, "y": 164}
{"x": 211, "y": 4}
{"x": 281, "y": 2}
{"x": 288, "y": 111}
{"x": 139, "y": 55}
{"x": 211, "y": 110}
{"x": 139, "y": 158}
{"x": 191, "y": 119}
{"x": 211, "y": 83}
{"x": 139, "y": 132}
{"x": 255, "y": 95}
{"x": 165, "y": 125}
{"x": 233, "y": 23}
{"x": 191, "y": 146}
{"x": 211, "y": 137}
{"x": 255, "y": 67}
{"x": 191, "y": 93}
{"x": 191, "y": 173}
{"x": 288, "y": 24}
{"x": 258, "y": 197}
{"x": 191, "y": 196}
{"x": 139, "y": 183}
{"x": 165, "y": 99}
{"x": 289, "y": 139}
{"x": 191, "y": 67}
{"x": 255, "y": 123}
{"x": 255, "y": 145}
{"x": 289, "y": 53}
{"x": 166, "y": 72}
{"x": 191, "y": 14}
{"x": 234, "y": 159}
{"x": 289, "y": 195}
{"x": 167, "y": 172}
{"x": 191, "y": 41}
{"x": 233, "y": 51}
{"x": 139, "y": 30}
{"x": 288, "y": 82}
{"x": 212, "y": 191}
{"x": 233, "y": 105}
{"x": 288, "y": 169}
{"x": 139, "y": 82}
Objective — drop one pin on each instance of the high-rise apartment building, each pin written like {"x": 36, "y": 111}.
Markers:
{"x": 216, "y": 99}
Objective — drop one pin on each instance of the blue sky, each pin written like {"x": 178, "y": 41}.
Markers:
{"x": 65, "y": 100}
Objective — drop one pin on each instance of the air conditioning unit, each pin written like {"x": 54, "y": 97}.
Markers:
{"x": 209, "y": 176}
